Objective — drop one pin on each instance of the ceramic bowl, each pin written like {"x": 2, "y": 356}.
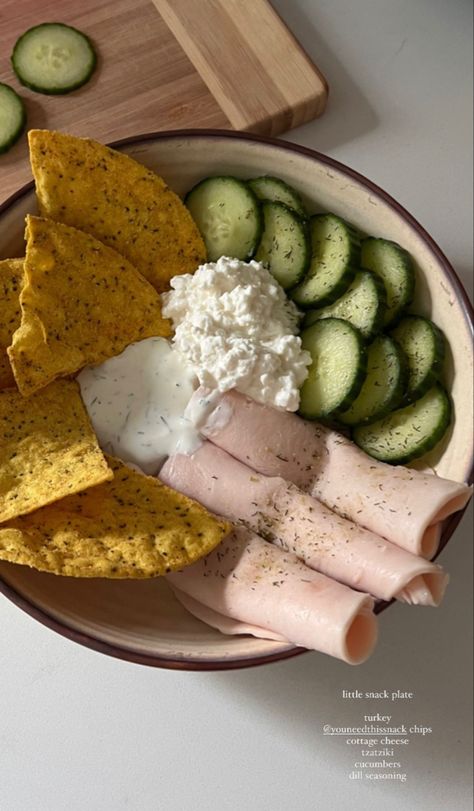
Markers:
{"x": 142, "y": 621}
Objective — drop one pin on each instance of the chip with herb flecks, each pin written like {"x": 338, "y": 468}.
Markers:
{"x": 81, "y": 303}
{"x": 109, "y": 195}
{"x": 48, "y": 449}
{"x": 11, "y": 280}
{"x": 131, "y": 527}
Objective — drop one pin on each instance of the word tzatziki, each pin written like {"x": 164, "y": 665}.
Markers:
{"x": 235, "y": 328}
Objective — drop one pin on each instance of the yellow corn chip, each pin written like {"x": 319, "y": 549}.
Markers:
{"x": 81, "y": 303}
{"x": 48, "y": 449}
{"x": 11, "y": 280}
{"x": 109, "y": 195}
{"x": 131, "y": 527}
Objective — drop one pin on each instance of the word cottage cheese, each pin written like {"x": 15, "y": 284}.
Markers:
{"x": 236, "y": 329}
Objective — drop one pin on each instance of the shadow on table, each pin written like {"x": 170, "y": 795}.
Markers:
{"x": 348, "y": 114}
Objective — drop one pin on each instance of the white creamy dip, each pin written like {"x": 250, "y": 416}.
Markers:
{"x": 136, "y": 403}
{"x": 236, "y": 328}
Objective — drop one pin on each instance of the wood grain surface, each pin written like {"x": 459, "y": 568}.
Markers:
{"x": 145, "y": 81}
{"x": 251, "y": 63}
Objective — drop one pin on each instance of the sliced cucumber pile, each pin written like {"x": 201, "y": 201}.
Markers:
{"x": 277, "y": 191}
{"x": 334, "y": 259}
{"x": 12, "y": 117}
{"x": 363, "y": 305}
{"x": 374, "y": 368}
{"x": 401, "y": 367}
{"x": 395, "y": 267}
{"x": 408, "y": 433}
{"x": 53, "y": 58}
{"x": 228, "y": 215}
{"x": 338, "y": 369}
{"x": 384, "y": 386}
{"x": 423, "y": 344}
{"x": 284, "y": 245}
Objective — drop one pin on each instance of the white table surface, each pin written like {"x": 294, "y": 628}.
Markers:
{"x": 79, "y": 730}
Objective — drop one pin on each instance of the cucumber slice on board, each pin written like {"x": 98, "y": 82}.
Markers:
{"x": 284, "y": 245}
{"x": 363, "y": 305}
{"x": 12, "y": 117}
{"x": 53, "y": 58}
{"x": 334, "y": 258}
{"x": 338, "y": 369}
{"x": 409, "y": 432}
{"x": 228, "y": 215}
{"x": 424, "y": 345}
{"x": 394, "y": 266}
{"x": 384, "y": 386}
{"x": 277, "y": 191}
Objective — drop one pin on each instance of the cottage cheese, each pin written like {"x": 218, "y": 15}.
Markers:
{"x": 236, "y": 329}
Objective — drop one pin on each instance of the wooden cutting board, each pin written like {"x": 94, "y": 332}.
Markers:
{"x": 166, "y": 64}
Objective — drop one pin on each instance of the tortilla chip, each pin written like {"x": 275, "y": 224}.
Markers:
{"x": 81, "y": 303}
{"x": 48, "y": 449}
{"x": 11, "y": 280}
{"x": 131, "y": 527}
{"x": 109, "y": 195}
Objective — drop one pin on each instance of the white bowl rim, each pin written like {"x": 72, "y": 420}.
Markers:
{"x": 185, "y": 663}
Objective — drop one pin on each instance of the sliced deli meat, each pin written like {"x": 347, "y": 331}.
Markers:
{"x": 295, "y": 521}
{"x": 255, "y": 582}
{"x": 400, "y": 504}
{"x": 226, "y": 625}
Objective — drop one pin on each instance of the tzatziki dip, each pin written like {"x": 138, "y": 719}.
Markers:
{"x": 136, "y": 403}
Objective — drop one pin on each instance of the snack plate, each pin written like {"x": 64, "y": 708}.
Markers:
{"x": 141, "y": 621}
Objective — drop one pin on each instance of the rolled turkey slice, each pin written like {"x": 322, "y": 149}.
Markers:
{"x": 284, "y": 515}
{"x": 400, "y": 504}
{"x": 225, "y": 625}
{"x": 256, "y": 583}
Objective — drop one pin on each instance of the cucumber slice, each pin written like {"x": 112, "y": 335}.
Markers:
{"x": 363, "y": 305}
{"x": 228, "y": 216}
{"x": 12, "y": 117}
{"x": 395, "y": 267}
{"x": 277, "y": 191}
{"x": 338, "y": 369}
{"x": 384, "y": 387}
{"x": 424, "y": 346}
{"x": 334, "y": 257}
{"x": 53, "y": 58}
{"x": 284, "y": 245}
{"x": 408, "y": 433}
